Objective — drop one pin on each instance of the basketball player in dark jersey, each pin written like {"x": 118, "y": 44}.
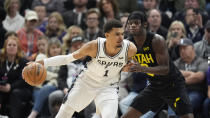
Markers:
{"x": 166, "y": 83}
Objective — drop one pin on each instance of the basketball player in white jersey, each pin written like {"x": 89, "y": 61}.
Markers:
{"x": 99, "y": 82}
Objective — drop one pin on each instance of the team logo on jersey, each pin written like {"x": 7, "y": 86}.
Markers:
{"x": 146, "y": 48}
{"x": 120, "y": 58}
{"x": 107, "y": 64}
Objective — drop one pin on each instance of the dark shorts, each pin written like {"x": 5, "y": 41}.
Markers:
{"x": 154, "y": 100}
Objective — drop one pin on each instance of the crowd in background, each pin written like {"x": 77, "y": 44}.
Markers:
{"x": 31, "y": 30}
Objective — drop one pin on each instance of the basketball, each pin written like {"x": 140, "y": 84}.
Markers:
{"x": 34, "y": 74}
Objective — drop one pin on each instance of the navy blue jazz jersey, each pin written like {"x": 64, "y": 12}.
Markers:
{"x": 146, "y": 57}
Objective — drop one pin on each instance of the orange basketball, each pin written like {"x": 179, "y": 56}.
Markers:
{"x": 34, "y": 74}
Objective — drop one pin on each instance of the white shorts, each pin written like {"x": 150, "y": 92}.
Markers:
{"x": 82, "y": 94}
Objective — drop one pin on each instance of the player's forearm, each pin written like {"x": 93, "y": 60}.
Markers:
{"x": 158, "y": 70}
{"x": 59, "y": 60}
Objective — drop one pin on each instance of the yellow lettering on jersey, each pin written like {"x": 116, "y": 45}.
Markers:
{"x": 146, "y": 48}
{"x": 149, "y": 58}
{"x": 143, "y": 59}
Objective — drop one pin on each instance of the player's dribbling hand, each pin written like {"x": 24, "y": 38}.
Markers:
{"x": 136, "y": 67}
{"x": 127, "y": 67}
{"x": 41, "y": 62}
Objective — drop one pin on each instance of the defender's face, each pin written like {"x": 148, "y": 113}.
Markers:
{"x": 115, "y": 36}
{"x": 134, "y": 26}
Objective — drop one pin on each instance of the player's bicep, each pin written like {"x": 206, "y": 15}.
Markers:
{"x": 87, "y": 49}
{"x": 131, "y": 51}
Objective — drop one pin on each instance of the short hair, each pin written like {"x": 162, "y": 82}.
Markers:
{"x": 138, "y": 15}
{"x": 112, "y": 24}
{"x": 93, "y": 10}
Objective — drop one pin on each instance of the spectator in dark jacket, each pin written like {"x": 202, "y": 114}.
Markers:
{"x": 13, "y": 90}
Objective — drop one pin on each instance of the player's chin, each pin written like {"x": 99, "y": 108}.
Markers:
{"x": 119, "y": 45}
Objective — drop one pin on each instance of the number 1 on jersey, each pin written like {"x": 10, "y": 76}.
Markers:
{"x": 106, "y": 73}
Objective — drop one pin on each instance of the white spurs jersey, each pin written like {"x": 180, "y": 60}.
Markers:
{"x": 105, "y": 69}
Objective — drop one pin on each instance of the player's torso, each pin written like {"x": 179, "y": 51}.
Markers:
{"x": 105, "y": 69}
{"x": 145, "y": 55}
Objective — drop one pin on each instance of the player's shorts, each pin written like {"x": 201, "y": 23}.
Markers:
{"x": 82, "y": 94}
{"x": 154, "y": 100}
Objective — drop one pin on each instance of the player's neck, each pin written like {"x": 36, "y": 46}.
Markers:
{"x": 110, "y": 49}
{"x": 139, "y": 39}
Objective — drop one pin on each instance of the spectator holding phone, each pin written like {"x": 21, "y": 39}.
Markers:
{"x": 175, "y": 33}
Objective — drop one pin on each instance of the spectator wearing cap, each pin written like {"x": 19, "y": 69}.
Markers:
{"x": 202, "y": 48}
{"x": 66, "y": 76}
{"x": 2, "y": 29}
{"x": 13, "y": 21}
{"x": 193, "y": 69}
{"x": 29, "y": 35}
{"x": 92, "y": 21}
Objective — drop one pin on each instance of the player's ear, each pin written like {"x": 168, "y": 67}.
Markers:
{"x": 106, "y": 35}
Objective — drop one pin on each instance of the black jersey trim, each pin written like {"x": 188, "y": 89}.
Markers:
{"x": 126, "y": 51}
{"x": 114, "y": 55}
{"x": 98, "y": 41}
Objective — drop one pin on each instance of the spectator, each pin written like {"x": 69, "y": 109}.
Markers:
{"x": 2, "y": 29}
{"x": 42, "y": 48}
{"x": 127, "y": 6}
{"x": 175, "y": 33}
{"x": 154, "y": 23}
{"x": 42, "y": 16}
{"x": 71, "y": 32}
{"x": 109, "y": 10}
{"x": 202, "y": 48}
{"x": 180, "y": 5}
{"x": 77, "y": 15}
{"x": 67, "y": 76}
{"x": 55, "y": 27}
{"x": 183, "y": 5}
{"x": 13, "y": 90}
{"x": 193, "y": 69}
{"x": 124, "y": 19}
{"x": 148, "y": 5}
{"x": 135, "y": 88}
{"x": 51, "y": 5}
{"x": 92, "y": 21}
{"x": 194, "y": 25}
{"x": 206, "y": 102}
{"x": 42, "y": 92}
{"x": 14, "y": 21}
{"x": 29, "y": 35}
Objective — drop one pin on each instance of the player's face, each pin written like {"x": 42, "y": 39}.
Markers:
{"x": 116, "y": 36}
{"x": 134, "y": 27}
